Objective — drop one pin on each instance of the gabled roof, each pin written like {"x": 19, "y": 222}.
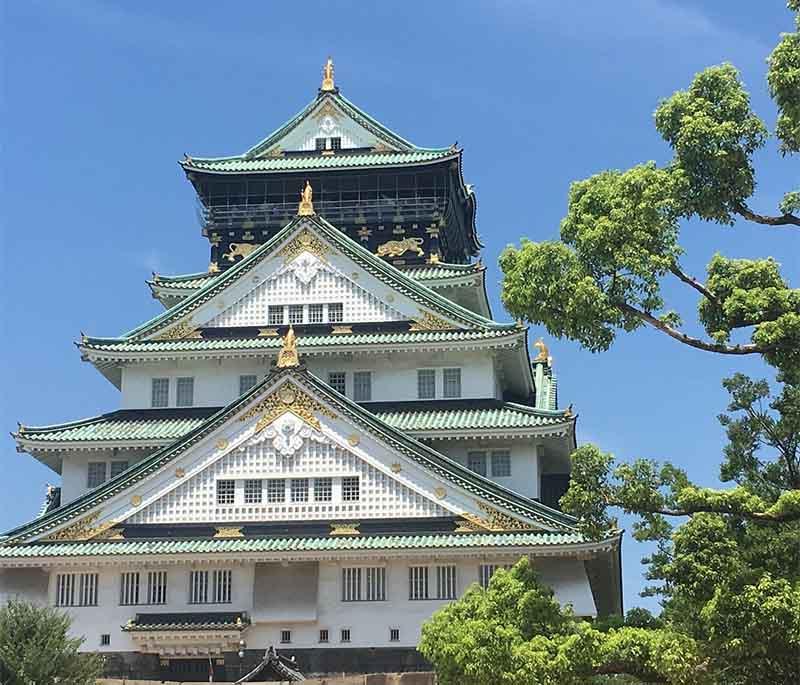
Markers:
{"x": 429, "y": 459}
{"x": 391, "y": 276}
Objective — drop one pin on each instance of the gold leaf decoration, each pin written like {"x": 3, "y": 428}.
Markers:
{"x": 83, "y": 529}
{"x": 440, "y": 493}
{"x": 222, "y": 444}
{"x": 288, "y": 398}
{"x": 430, "y": 322}
{"x": 353, "y": 440}
{"x": 238, "y": 250}
{"x": 342, "y": 330}
{"x": 305, "y": 241}
{"x": 395, "y": 248}
{"x": 345, "y": 528}
{"x": 182, "y": 331}
{"x": 229, "y": 532}
{"x": 499, "y": 521}
{"x": 396, "y": 467}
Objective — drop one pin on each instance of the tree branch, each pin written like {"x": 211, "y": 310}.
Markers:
{"x": 688, "y": 339}
{"x": 783, "y": 220}
{"x": 762, "y": 516}
{"x": 694, "y": 283}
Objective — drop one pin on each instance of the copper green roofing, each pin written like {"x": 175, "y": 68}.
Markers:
{"x": 207, "y": 620}
{"x": 184, "y": 281}
{"x": 296, "y": 544}
{"x": 163, "y": 424}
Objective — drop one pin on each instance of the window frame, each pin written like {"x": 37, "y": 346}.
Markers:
{"x": 159, "y": 386}
{"x": 243, "y": 383}
{"x": 448, "y": 393}
{"x": 324, "y": 485}
{"x": 339, "y": 308}
{"x": 300, "y": 490}
{"x": 181, "y": 384}
{"x": 335, "y": 384}
{"x": 418, "y": 580}
{"x": 362, "y": 392}
{"x": 347, "y": 487}
{"x": 475, "y": 454}
{"x": 272, "y": 490}
{"x": 90, "y": 480}
{"x": 428, "y": 374}
{"x": 222, "y": 497}
{"x": 496, "y": 457}
{"x": 253, "y": 491}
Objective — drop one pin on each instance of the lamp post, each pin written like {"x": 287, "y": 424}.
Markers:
{"x": 242, "y": 647}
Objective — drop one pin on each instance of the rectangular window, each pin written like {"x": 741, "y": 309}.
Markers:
{"x": 286, "y": 637}
{"x": 344, "y": 635}
{"x": 299, "y": 489}
{"x": 335, "y": 312}
{"x": 95, "y": 473}
{"x": 351, "y": 584}
{"x": 451, "y": 383}
{"x": 486, "y": 571}
{"x": 246, "y": 382}
{"x": 446, "y": 582}
{"x": 338, "y": 381}
{"x": 501, "y": 464}
{"x": 350, "y": 489}
{"x": 129, "y": 588}
{"x": 336, "y": 143}
{"x": 315, "y": 313}
{"x": 76, "y": 589}
{"x": 118, "y": 467}
{"x": 105, "y": 639}
{"x": 275, "y": 315}
{"x": 226, "y": 491}
{"x": 295, "y": 313}
{"x": 426, "y": 384}
{"x": 323, "y": 635}
{"x": 319, "y": 144}
{"x": 376, "y": 584}
{"x": 159, "y": 395}
{"x": 157, "y": 587}
{"x": 362, "y": 386}
{"x": 418, "y": 582}
{"x": 476, "y": 461}
{"x": 394, "y": 634}
{"x": 323, "y": 489}
{"x": 276, "y": 490}
{"x": 222, "y": 580}
{"x": 198, "y": 587}
{"x": 218, "y": 591}
{"x": 184, "y": 393}
{"x": 252, "y": 492}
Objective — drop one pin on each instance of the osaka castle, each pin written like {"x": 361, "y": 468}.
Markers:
{"x": 322, "y": 438}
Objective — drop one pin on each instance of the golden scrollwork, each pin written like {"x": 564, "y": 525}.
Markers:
{"x": 353, "y": 440}
{"x": 440, "y": 493}
{"x": 229, "y": 532}
{"x": 306, "y": 241}
{"x": 288, "y": 357}
{"x": 222, "y": 444}
{"x": 83, "y": 529}
{"x": 471, "y": 524}
{"x": 306, "y": 207}
{"x": 430, "y": 322}
{"x": 181, "y": 331}
{"x": 345, "y": 528}
{"x": 239, "y": 250}
{"x": 396, "y": 467}
{"x": 267, "y": 332}
{"x": 544, "y": 353}
{"x": 395, "y": 248}
{"x": 327, "y": 77}
{"x": 136, "y": 500}
{"x": 341, "y": 330}
{"x": 499, "y": 521}
{"x": 288, "y": 398}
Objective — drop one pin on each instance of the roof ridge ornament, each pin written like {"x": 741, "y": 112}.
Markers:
{"x": 328, "y": 85}
{"x": 544, "y": 352}
{"x": 306, "y": 207}
{"x": 288, "y": 357}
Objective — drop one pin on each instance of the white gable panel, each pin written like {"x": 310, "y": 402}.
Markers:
{"x": 380, "y": 495}
{"x": 306, "y": 280}
{"x": 327, "y": 122}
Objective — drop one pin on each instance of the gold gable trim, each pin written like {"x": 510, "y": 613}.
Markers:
{"x": 493, "y": 520}
{"x": 288, "y": 398}
{"x": 83, "y": 529}
{"x": 430, "y": 322}
{"x": 181, "y": 331}
{"x": 304, "y": 242}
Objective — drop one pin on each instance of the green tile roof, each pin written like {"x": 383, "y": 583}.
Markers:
{"x": 297, "y": 544}
{"x": 316, "y": 161}
{"x": 158, "y": 425}
{"x": 211, "y": 620}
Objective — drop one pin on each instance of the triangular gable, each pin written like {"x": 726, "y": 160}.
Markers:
{"x": 429, "y": 309}
{"x": 406, "y": 462}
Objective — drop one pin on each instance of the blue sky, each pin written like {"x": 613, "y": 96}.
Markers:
{"x": 100, "y": 100}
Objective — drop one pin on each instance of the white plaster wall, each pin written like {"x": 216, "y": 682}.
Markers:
{"x": 74, "y": 469}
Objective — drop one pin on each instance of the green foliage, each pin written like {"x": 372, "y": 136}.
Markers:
{"x": 783, "y": 78}
{"x": 35, "y": 648}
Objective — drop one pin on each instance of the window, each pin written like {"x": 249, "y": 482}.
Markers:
{"x": 362, "y": 386}
{"x": 501, "y": 464}
{"x": 350, "y": 489}
{"x": 336, "y": 143}
{"x": 105, "y": 639}
{"x": 299, "y": 489}
{"x": 486, "y": 571}
{"x": 76, "y": 589}
{"x": 351, "y": 584}
{"x": 159, "y": 396}
{"x": 118, "y": 467}
{"x": 319, "y": 144}
{"x": 276, "y": 490}
{"x": 323, "y": 635}
{"x": 394, "y": 634}
{"x": 129, "y": 588}
{"x": 218, "y": 591}
{"x": 344, "y": 635}
{"x": 376, "y": 584}
{"x": 157, "y": 587}
{"x": 226, "y": 491}
{"x": 446, "y": 582}
{"x": 95, "y": 473}
{"x": 418, "y": 582}
{"x": 476, "y": 461}
{"x": 246, "y": 382}
{"x": 451, "y": 382}
{"x": 295, "y": 313}
{"x": 336, "y": 312}
{"x": 323, "y": 489}
{"x": 184, "y": 394}
{"x": 315, "y": 313}
{"x": 338, "y": 381}
{"x": 426, "y": 384}
{"x": 286, "y": 637}
{"x": 275, "y": 315}
{"x": 252, "y": 492}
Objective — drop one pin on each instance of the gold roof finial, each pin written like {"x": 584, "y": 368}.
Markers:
{"x": 306, "y": 207}
{"x": 544, "y": 353}
{"x": 327, "y": 77}
{"x": 288, "y": 356}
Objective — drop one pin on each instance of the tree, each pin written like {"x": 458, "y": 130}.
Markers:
{"x": 728, "y": 572}
{"x": 35, "y": 648}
